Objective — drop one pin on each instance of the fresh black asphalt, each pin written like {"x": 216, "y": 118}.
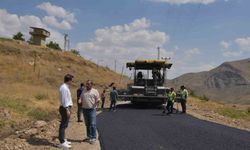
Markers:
{"x": 144, "y": 128}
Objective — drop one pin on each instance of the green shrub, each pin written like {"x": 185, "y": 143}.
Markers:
{"x": 52, "y": 81}
{"x": 40, "y": 114}
{"x": 248, "y": 110}
{"x": 54, "y": 45}
{"x": 205, "y": 98}
{"x": 5, "y": 39}
{"x": 2, "y": 123}
{"x": 76, "y": 52}
{"x": 18, "y": 105}
{"x": 233, "y": 113}
{"x": 41, "y": 96}
{"x": 18, "y": 36}
{"x": 192, "y": 93}
{"x": 10, "y": 51}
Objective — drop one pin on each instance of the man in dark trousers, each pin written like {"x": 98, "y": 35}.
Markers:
{"x": 170, "y": 101}
{"x": 90, "y": 99}
{"x": 184, "y": 95}
{"x": 79, "y": 103}
{"x": 65, "y": 109}
{"x": 103, "y": 97}
{"x": 113, "y": 99}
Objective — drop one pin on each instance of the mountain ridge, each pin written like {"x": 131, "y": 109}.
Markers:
{"x": 229, "y": 82}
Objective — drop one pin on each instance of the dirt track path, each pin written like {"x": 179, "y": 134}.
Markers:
{"x": 45, "y": 137}
{"x": 76, "y": 133}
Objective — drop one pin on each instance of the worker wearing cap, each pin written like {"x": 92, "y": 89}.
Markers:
{"x": 184, "y": 95}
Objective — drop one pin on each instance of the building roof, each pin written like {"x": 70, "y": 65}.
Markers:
{"x": 39, "y": 29}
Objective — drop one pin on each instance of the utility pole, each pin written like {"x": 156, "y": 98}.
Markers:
{"x": 165, "y": 74}
{"x": 158, "y": 48}
{"x": 115, "y": 65}
{"x": 121, "y": 75}
{"x": 66, "y": 42}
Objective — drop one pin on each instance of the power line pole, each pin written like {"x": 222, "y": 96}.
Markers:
{"x": 68, "y": 44}
{"x": 115, "y": 65}
{"x": 121, "y": 75}
{"x": 65, "y": 41}
{"x": 158, "y": 48}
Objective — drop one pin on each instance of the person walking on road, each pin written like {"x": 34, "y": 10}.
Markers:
{"x": 79, "y": 103}
{"x": 184, "y": 95}
{"x": 90, "y": 99}
{"x": 103, "y": 97}
{"x": 170, "y": 98}
{"x": 65, "y": 109}
{"x": 113, "y": 99}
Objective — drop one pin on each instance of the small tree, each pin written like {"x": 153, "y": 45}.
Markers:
{"x": 54, "y": 45}
{"x": 205, "y": 98}
{"x": 18, "y": 36}
{"x": 76, "y": 52}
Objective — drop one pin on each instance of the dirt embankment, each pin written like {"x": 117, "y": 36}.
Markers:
{"x": 43, "y": 135}
{"x": 237, "y": 116}
{"x": 30, "y": 77}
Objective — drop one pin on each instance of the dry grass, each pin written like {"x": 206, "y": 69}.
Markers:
{"x": 228, "y": 110}
{"x": 30, "y": 91}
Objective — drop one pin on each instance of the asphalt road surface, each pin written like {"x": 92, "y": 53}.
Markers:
{"x": 144, "y": 128}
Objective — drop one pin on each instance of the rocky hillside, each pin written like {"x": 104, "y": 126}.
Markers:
{"x": 30, "y": 77}
{"x": 229, "y": 82}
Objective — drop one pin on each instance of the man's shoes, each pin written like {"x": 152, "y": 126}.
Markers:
{"x": 92, "y": 141}
{"x": 68, "y": 142}
{"x": 64, "y": 145}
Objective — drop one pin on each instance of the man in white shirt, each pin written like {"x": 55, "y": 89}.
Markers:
{"x": 90, "y": 99}
{"x": 65, "y": 109}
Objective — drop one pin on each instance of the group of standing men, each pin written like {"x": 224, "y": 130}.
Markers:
{"x": 171, "y": 97}
{"x": 88, "y": 99}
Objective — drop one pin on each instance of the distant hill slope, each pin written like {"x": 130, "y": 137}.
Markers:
{"x": 229, "y": 82}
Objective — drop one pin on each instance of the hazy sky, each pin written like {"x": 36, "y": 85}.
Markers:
{"x": 197, "y": 34}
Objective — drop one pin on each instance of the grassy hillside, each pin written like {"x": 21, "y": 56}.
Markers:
{"x": 31, "y": 75}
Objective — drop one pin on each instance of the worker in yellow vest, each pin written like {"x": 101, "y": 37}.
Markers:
{"x": 184, "y": 95}
{"x": 170, "y": 100}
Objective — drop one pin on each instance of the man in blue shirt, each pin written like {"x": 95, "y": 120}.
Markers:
{"x": 113, "y": 99}
{"x": 79, "y": 103}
